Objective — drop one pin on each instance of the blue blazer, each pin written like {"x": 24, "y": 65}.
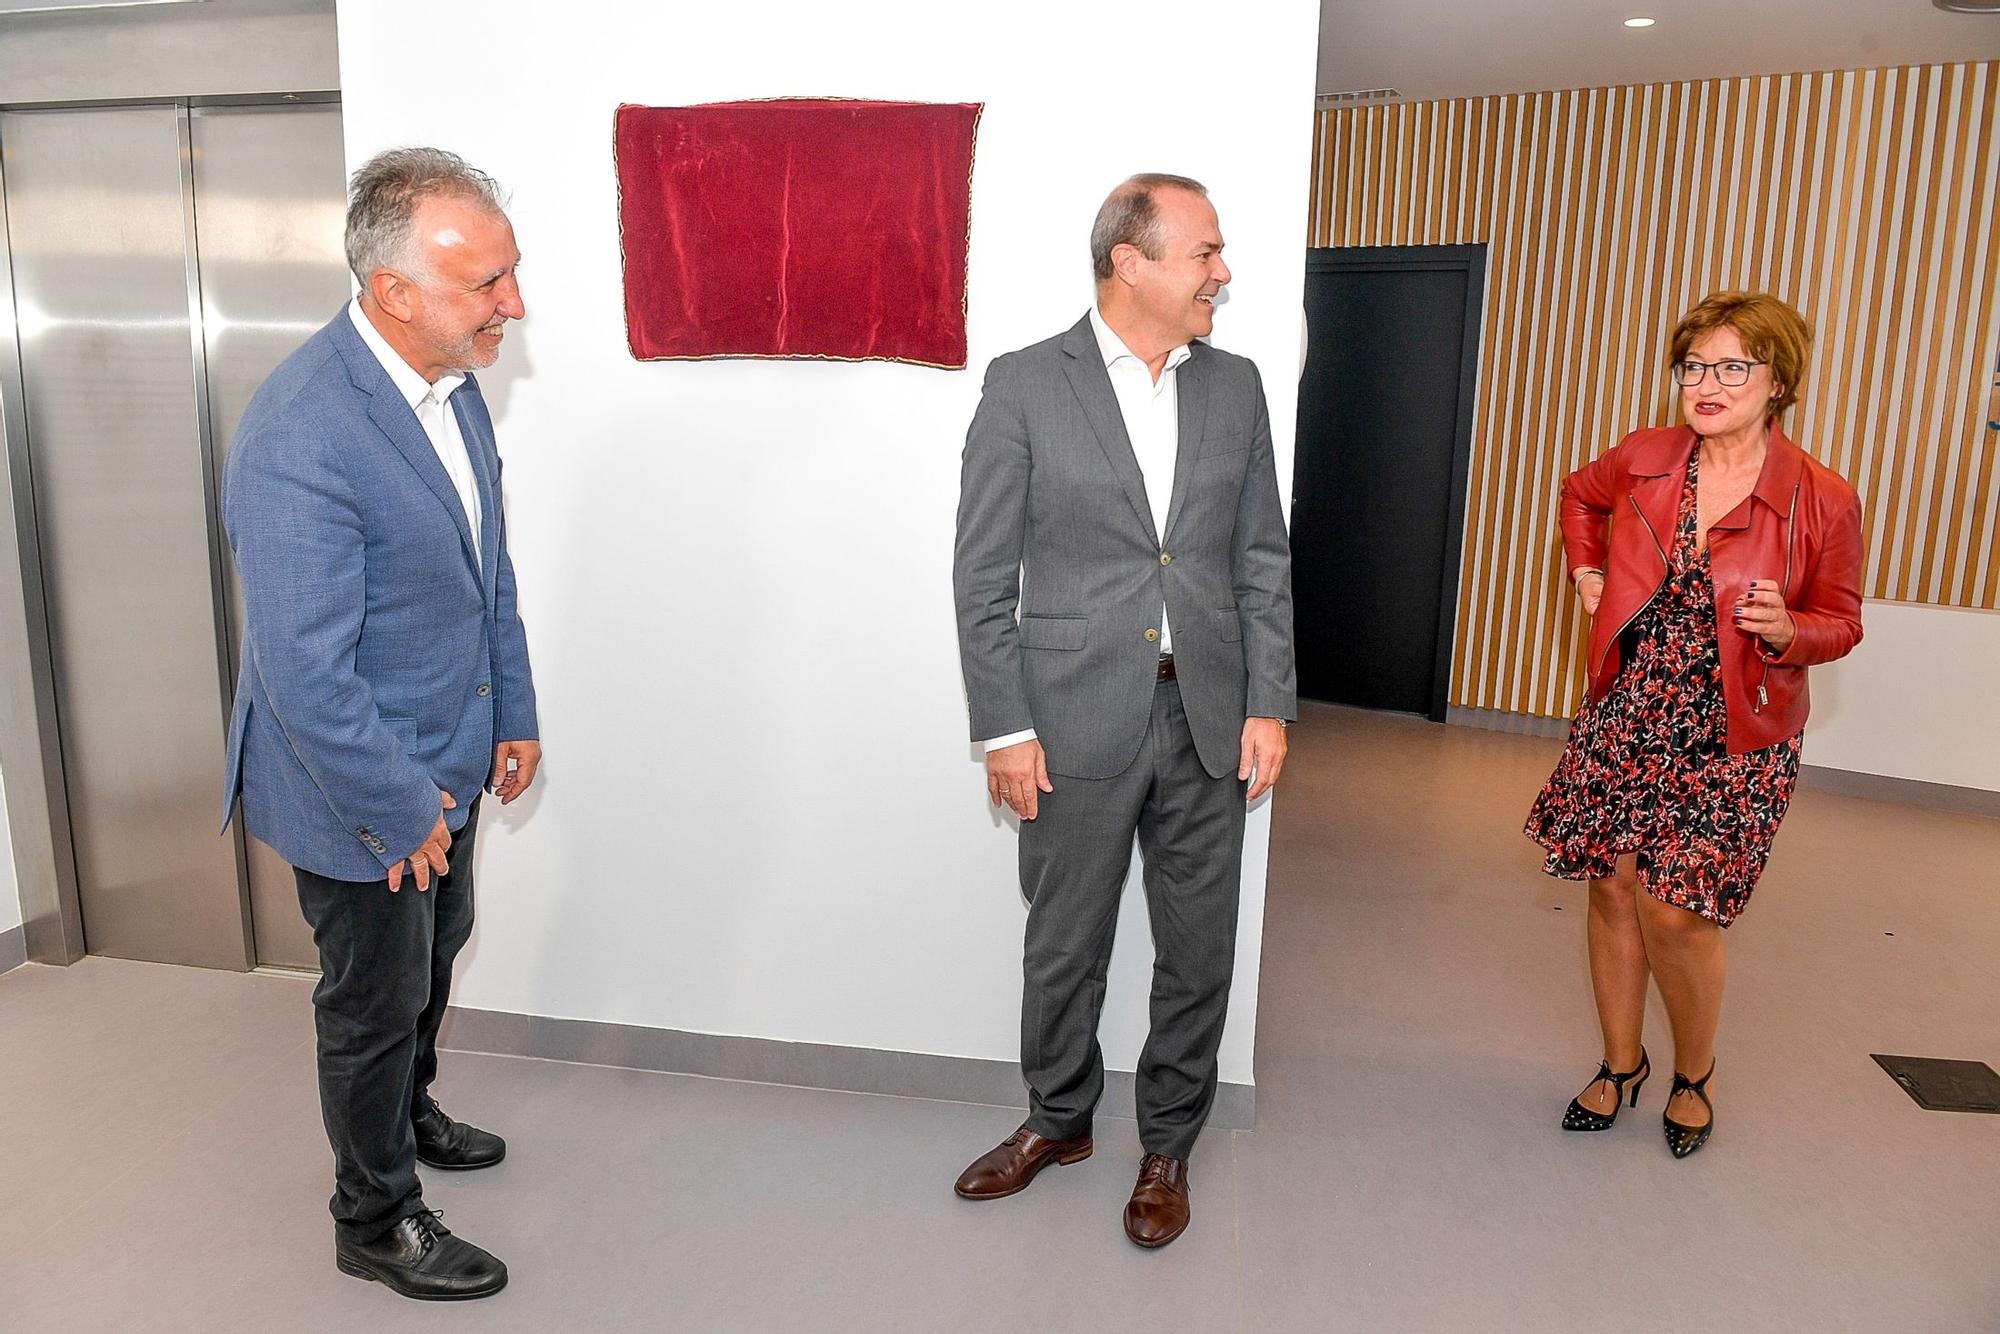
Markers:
{"x": 381, "y": 663}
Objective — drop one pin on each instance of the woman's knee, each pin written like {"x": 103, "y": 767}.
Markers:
{"x": 1675, "y": 926}
{"x": 1614, "y": 894}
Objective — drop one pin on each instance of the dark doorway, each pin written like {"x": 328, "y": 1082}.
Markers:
{"x": 1378, "y": 491}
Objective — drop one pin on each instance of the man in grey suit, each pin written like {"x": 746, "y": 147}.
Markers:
{"x": 1119, "y": 494}
{"x": 385, "y": 680}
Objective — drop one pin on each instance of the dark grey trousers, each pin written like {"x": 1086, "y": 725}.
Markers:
{"x": 385, "y": 977}
{"x": 1074, "y": 857}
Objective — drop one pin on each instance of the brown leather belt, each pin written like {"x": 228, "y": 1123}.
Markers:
{"x": 1166, "y": 667}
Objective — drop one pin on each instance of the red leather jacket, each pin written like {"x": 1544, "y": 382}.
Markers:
{"x": 1801, "y": 527}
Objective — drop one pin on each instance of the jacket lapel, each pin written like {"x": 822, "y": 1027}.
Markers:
{"x": 388, "y": 411}
{"x": 1778, "y": 479}
{"x": 1658, "y": 474}
{"x": 1084, "y": 365}
{"x": 475, "y": 427}
{"x": 1191, "y": 400}
{"x": 393, "y": 415}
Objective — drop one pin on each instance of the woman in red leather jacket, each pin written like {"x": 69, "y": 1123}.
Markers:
{"x": 1717, "y": 561}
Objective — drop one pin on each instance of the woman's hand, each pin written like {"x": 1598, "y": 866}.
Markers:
{"x": 1590, "y": 587}
{"x": 1761, "y": 612}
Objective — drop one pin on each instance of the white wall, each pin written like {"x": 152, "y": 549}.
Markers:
{"x": 760, "y": 813}
{"x": 1918, "y": 698}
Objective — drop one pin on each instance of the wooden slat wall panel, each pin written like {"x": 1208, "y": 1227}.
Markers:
{"x": 1868, "y": 198}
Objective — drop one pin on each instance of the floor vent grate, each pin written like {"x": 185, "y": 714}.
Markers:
{"x": 1945, "y": 1086}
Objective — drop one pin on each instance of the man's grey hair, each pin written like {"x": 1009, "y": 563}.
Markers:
{"x": 382, "y": 202}
{"x": 1130, "y": 215}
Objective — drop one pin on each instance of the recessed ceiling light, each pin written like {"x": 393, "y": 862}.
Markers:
{"x": 1640, "y": 22}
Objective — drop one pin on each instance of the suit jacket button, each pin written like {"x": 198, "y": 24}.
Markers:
{"x": 484, "y": 691}
{"x": 1152, "y": 636}
{"x": 1166, "y": 558}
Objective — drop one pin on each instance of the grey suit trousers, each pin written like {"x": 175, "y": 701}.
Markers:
{"x": 1074, "y": 856}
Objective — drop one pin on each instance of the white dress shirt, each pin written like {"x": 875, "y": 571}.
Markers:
{"x": 1151, "y": 411}
{"x": 432, "y": 405}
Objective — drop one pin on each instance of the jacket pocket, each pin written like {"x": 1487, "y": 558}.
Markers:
{"x": 1222, "y": 446}
{"x": 405, "y": 731}
{"x": 1056, "y": 632}
{"x": 1229, "y": 625}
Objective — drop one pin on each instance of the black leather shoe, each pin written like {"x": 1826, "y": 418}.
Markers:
{"x": 420, "y": 1258}
{"x": 1580, "y": 1117}
{"x": 1683, "y": 1140}
{"x": 454, "y": 1145}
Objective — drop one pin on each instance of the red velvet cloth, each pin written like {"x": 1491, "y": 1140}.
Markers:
{"x": 796, "y": 228}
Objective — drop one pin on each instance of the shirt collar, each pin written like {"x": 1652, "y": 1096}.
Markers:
{"x": 412, "y": 386}
{"x": 1111, "y": 347}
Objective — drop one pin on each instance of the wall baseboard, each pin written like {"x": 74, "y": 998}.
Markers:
{"x": 1904, "y": 791}
{"x": 1818, "y": 778}
{"x": 899, "y": 1074}
{"x": 1499, "y": 720}
{"x": 13, "y": 948}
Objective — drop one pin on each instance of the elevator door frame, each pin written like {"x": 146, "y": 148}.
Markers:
{"x": 39, "y": 789}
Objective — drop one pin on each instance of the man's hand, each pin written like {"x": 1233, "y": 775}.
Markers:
{"x": 1018, "y": 775}
{"x": 1263, "y": 754}
{"x": 1761, "y": 611}
{"x": 427, "y": 860}
{"x": 1590, "y": 587}
{"x": 514, "y": 765}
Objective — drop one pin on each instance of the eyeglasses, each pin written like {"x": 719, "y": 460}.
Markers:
{"x": 1728, "y": 374}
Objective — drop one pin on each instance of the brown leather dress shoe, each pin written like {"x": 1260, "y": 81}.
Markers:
{"x": 1008, "y": 1168}
{"x": 1158, "y": 1209}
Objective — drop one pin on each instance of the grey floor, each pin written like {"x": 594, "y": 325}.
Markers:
{"x": 1425, "y": 1016}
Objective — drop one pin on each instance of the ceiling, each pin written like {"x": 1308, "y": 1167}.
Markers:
{"x": 1471, "y": 48}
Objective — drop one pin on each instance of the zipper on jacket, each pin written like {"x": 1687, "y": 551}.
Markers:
{"x": 1649, "y": 529}
{"x": 1791, "y": 517}
{"x": 1621, "y": 630}
{"x": 1785, "y": 592}
{"x": 1665, "y": 567}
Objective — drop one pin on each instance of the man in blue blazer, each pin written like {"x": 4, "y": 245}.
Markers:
{"x": 385, "y": 679}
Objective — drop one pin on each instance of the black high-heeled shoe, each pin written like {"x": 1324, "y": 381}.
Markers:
{"x": 1580, "y": 1117}
{"x": 1684, "y": 1140}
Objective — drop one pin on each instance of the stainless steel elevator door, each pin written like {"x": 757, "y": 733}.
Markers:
{"x": 97, "y": 226}
{"x": 269, "y": 203}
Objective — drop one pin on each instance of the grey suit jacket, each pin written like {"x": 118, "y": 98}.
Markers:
{"x": 1053, "y": 521}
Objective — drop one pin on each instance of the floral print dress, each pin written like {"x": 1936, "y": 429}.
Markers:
{"x": 1648, "y": 769}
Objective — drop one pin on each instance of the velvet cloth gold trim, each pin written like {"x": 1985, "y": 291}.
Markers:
{"x": 814, "y": 228}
